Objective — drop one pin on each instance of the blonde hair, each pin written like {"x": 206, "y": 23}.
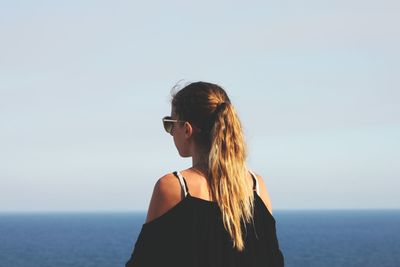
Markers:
{"x": 208, "y": 108}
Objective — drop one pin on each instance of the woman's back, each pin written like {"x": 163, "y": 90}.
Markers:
{"x": 191, "y": 233}
{"x": 199, "y": 188}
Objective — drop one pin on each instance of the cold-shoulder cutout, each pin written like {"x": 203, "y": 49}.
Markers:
{"x": 166, "y": 195}
{"x": 263, "y": 192}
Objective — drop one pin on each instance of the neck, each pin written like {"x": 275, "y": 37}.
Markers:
{"x": 200, "y": 161}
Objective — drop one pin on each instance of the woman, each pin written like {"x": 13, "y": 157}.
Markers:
{"x": 217, "y": 212}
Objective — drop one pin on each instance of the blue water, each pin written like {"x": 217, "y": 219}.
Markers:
{"x": 307, "y": 238}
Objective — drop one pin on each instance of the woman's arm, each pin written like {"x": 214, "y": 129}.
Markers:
{"x": 264, "y": 193}
{"x": 166, "y": 194}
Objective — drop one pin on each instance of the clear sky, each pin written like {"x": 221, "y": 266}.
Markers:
{"x": 84, "y": 85}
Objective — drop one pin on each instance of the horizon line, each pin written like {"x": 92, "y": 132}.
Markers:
{"x": 145, "y": 211}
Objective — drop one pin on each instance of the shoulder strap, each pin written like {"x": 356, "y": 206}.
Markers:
{"x": 256, "y": 187}
{"x": 182, "y": 181}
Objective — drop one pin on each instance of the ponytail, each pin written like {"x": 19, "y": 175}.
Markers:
{"x": 228, "y": 172}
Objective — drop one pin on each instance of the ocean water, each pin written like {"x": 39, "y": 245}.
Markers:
{"x": 307, "y": 238}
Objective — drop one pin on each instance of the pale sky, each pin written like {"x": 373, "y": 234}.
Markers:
{"x": 84, "y": 85}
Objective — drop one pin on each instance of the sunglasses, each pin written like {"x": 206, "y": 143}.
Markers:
{"x": 168, "y": 123}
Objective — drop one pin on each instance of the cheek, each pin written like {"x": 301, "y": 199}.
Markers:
{"x": 177, "y": 142}
{"x": 182, "y": 150}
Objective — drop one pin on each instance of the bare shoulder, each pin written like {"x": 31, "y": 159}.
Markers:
{"x": 166, "y": 194}
{"x": 264, "y": 193}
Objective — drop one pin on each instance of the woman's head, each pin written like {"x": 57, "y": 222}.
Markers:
{"x": 209, "y": 119}
{"x": 204, "y": 105}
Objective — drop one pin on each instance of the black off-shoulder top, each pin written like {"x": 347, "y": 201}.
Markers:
{"x": 192, "y": 234}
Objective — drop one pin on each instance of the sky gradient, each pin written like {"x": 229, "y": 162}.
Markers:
{"x": 84, "y": 85}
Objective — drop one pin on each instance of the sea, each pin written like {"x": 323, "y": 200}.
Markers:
{"x": 307, "y": 238}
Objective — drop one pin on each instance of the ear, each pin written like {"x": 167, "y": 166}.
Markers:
{"x": 188, "y": 130}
